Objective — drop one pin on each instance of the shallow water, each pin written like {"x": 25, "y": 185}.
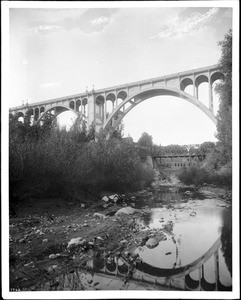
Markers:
{"x": 195, "y": 223}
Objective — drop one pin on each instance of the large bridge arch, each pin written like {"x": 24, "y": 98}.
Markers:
{"x": 119, "y": 112}
{"x": 54, "y": 111}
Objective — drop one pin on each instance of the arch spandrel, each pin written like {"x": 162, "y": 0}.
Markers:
{"x": 154, "y": 92}
{"x": 185, "y": 82}
{"x": 216, "y": 76}
{"x": 111, "y": 97}
{"x": 200, "y": 79}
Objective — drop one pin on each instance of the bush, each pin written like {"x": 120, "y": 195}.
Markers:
{"x": 193, "y": 175}
{"x": 61, "y": 163}
{"x": 113, "y": 165}
{"x": 198, "y": 175}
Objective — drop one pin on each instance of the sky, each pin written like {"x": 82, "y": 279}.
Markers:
{"x": 56, "y": 52}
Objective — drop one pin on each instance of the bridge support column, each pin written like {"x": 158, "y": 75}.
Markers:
{"x": 81, "y": 107}
{"x": 195, "y": 91}
{"x": 91, "y": 109}
{"x": 105, "y": 110}
{"x": 210, "y": 97}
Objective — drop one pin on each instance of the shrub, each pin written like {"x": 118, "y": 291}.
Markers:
{"x": 198, "y": 175}
{"x": 194, "y": 175}
{"x": 62, "y": 163}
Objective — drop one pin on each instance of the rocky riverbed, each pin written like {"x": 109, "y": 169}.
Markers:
{"x": 52, "y": 237}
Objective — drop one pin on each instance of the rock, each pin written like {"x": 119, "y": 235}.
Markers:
{"x": 116, "y": 199}
{"x": 112, "y": 197}
{"x": 222, "y": 205}
{"x": 99, "y": 215}
{"x": 74, "y": 242}
{"x": 168, "y": 253}
{"x": 29, "y": 264}
{"x": 126, "y": 210}
{"x": 45, "y": 240}
{"x": 99, "y": 238}
{"x": 82, "y": 243}
{"x": 105, "y": 198}
{"x": 85, "y": 225}
{"x": 82, "y": 205}
{"x": 123, "y": 242}
{"x": 152, "y": 243}
{"x": 106, "y": 205}
{"x": 52, "y": 268}
{"x": 21, "y": 241}
{"x": 192, "y": 214}
{"x": 53, "y": 256}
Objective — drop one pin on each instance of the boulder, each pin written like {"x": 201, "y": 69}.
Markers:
{"x": 105, "y": 198}
{"x": 126, "y": 210}
{"x": 74, "y": 242}
{"x": 99, "y": 215}
{"x": 112, "y": 197}
{"x": 152, "y": 243}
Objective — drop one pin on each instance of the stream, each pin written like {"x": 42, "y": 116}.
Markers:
{"x": 193, "y": 222}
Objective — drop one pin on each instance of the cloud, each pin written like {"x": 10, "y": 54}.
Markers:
{"x": 88, "y": 21}
{"x": 92, "y": 20}
{"x": 44, "y": 29}
{"x": 100, "y": 21}
{"x": 50, "y": 84}
{"x": 178, "y": 28}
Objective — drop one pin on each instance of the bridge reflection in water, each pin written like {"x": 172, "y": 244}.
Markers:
{"x": 175, "y": 279}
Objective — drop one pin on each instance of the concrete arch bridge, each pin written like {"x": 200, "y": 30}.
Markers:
{"x": 108, "y": 106}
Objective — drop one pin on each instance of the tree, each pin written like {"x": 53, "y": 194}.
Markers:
{"x": 224, "y": 90}
{"x": 145, "y": 140}
{"x": 206, "y": 147}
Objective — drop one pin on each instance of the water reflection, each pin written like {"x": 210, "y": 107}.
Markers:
{"x": 195, "y": 225}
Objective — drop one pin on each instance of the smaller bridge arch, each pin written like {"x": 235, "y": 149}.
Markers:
{"x": 185, "y": 82}
{"x": 216, "y": 76}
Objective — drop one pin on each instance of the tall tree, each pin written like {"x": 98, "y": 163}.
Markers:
{"x": 224, "y": 90}
{"x": 145, "y": 140}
